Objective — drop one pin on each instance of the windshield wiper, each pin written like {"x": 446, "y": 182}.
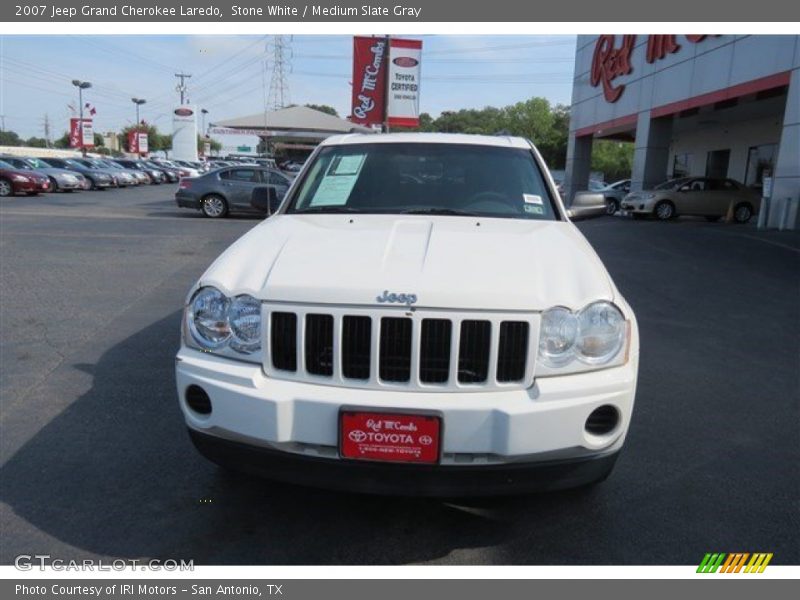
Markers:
{"x": 440, "y": 211}
{"x": 328, "y": 209}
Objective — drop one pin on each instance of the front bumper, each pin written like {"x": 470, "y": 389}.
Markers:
{"x": 637, "y": 205}
{"x": 69, "y": 184}
{"x": 506, "y": 432}
{"x": 404, "y": 480}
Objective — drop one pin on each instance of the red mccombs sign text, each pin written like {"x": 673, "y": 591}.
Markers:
{"x": 610, "y": 62}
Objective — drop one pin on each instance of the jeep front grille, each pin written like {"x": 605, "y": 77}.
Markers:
{"x": 429, "y": 350}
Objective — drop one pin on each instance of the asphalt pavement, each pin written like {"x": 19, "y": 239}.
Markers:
{"x": 95, "y": 461}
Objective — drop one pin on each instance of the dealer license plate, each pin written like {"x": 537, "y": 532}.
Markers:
{"x": 407, "y": 438}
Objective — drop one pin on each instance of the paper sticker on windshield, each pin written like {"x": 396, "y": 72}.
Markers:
{"x": 534, "y": 209}
{"x": 532, "y": 199}
{"x": 347, "y": 165}
{"x": 339, "y": 180}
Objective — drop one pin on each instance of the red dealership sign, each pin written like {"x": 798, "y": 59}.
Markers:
{"x": 369, "y": 80}
{"x": 75, "y": 131}
{"x": 610, "y": 62}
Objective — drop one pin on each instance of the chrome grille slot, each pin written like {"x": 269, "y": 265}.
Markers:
{"x": 283, "y": 341}
{"x": 473, "y": 351}
{"x": 434, "y": 355}
{"x": 319, "y": 344}
{"x": 512, "y": 354}
{"x": 356, "y": 347}
{"x": 395, "y": 349}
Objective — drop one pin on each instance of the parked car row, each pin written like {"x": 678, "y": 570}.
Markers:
{"x": 707, "y": 197}
{"x": 32, "y": 175}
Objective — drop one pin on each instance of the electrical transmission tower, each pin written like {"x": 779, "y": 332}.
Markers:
{"x": 279, "y": 52}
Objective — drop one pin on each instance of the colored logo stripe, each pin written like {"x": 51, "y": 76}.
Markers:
{"x": 734, "y": 562}
{"x": 711, "y": 563}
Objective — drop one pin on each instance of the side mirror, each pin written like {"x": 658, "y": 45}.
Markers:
{"x": 587, "y": 206}
{"x": 266, "y": 199}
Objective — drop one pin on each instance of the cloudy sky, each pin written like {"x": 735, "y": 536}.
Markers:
{"x": 228, "y": 74}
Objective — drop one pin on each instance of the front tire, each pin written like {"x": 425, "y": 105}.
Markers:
{"x": 214, "y": 206}
{"x": 54, "y": 185}
{"x": 6, "y": 189}
{"x": 743, "y": 212}
{"x": 664, "y": 210}
{"x": 612, "y": 206}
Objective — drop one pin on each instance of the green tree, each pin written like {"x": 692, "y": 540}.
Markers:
{"x": 9, "y": 138}
{"x": 98, "y": 140}
{"x": 215, "y": 145}
{"x": 155, "y": 140}
{"x": 36, "y": 142}
{"x": 612, "y": 158}
{"x": 62, "y": 142}
{"x": 324, "y": 108}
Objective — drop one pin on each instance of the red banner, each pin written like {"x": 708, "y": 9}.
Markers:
{"x": 75, "y": 133}
{"x": 369, "y": 80}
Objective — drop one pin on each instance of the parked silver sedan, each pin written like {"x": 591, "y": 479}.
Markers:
{"x": 695, "y": 196}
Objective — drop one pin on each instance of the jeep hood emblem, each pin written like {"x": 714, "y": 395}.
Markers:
{"x": 391, "y": 297}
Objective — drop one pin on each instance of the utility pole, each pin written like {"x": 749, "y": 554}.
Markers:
{"x": 46, "y": 130}
{"x": 182, "y": 87}
{"x": 281, "y": 51}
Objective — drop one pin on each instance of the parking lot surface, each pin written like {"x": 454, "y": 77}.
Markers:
{"x": 96, "y": 462}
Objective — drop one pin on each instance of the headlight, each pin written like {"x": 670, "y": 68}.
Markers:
{"x": 244, "y": 317}
{"x": 601, "y": 333}
{"x": 227, "y": 326}
{"x": 559, "y": 328}
{"x": 208, "y": 318}
{"x": 21, "y": 178}
{"x": 591, "y": 338}
{"x": 647, "y": 196}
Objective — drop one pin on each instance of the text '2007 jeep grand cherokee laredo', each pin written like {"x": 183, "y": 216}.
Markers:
{"x": 420, "y": 316}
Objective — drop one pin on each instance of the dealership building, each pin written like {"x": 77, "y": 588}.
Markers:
{"x": 724, "y": 106}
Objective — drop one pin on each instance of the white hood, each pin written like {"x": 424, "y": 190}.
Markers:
{"x": 447, "y": 262}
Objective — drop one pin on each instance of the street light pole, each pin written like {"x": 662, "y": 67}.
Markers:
{"x": 138, "y": 102}
{"x": 81, "y": 85}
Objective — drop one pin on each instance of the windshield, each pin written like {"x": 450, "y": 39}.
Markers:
{"x": 19, "y": 163}
{"x": 419, "y": 178}
{"x": 672, "y": 184}
{"x": 596, "y": 186}
{"x": 5, "y": 165}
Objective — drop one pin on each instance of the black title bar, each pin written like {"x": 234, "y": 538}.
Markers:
{"x": 377, "y": 11}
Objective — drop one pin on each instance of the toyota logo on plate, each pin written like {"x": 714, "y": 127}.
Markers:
{"x": 425, "y": 440}
{"x": 357, "y": 436}
{"x": 405, "y": 61}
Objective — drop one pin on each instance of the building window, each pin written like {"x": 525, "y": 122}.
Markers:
{"x": 717, "y": 164}
{"x": 760, "y": 164}
{"x": 680, "y": 165}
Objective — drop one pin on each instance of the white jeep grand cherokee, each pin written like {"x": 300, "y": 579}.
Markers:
{"x": 419, "y": 316}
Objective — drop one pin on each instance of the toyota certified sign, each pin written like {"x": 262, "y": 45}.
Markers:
{"x": 404, "y": 74}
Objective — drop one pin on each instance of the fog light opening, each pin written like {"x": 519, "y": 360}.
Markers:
{"x": 602, "y": 420}
{"x": 197, "y": 399}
